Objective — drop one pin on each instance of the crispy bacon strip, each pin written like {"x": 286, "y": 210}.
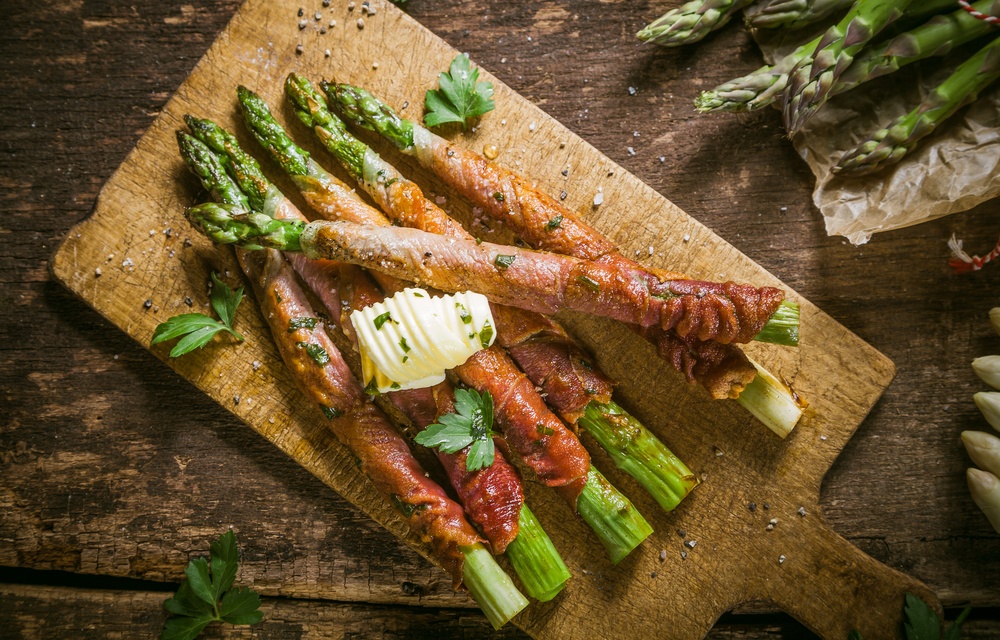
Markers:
{"x": 382, "y": 452}
{"x": 543, "y": 282}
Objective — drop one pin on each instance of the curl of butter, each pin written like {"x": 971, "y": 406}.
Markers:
{"x": 409, "y": 340}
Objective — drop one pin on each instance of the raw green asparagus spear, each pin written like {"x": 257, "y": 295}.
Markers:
{"x": 690, "y": 22}
{"x": 766, "y": 85}
{"x": 755, "y": 90}
{"x": 792, "y": 14}
{"x": 632, "y": 447}
{"x": 938, "y": 36}
{"x": 810, "y": 82}
{"x": 888, "y": 146}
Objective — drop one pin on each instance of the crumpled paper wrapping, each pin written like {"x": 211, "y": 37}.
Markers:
{"x": 954, "y": 169}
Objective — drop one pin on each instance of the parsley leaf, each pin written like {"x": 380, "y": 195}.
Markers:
{"x": 470, "y": 426}
{"x": 198, "y": 329}
{"x": 206, "y": 595}
{"x": 461, "y": 96}
{"x": 922, "y": 623}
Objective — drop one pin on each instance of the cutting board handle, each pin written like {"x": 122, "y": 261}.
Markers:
{"x": 835, "y": 587}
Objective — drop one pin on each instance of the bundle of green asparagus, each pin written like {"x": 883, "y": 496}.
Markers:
{"x": 870, "y": 39}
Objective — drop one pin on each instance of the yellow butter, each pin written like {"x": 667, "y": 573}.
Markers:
{"x": 409, "y": 340}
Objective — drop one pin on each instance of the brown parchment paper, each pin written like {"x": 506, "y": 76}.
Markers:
{"x": 954, "y": 169}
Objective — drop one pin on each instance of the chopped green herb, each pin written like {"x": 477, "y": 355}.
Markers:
{"x": 417, "y": 294}
{"x": 463, "y": 313}
{"x": 402, "y": 345}
{"x": 664, "y": 296}
{"x": 277, "y": 297}
{"x": 471, "y": 424}
{"x": 543, "y": 430}
{"x": 391, "y": 181}
{"x": 498, "y": 196}
{"x": 207, "y": 596}
{"x": 331, "y": 412}
{"x": 372, "y": 388}
{"x": 198, "y": 329}
{"x": 590, "y": 391}
{"x": 486, "y": 334}
{"x": 301, "y": 323}
{"x": 381, "y": 319}
{"x": 404, "y": 508}
{"x": 461, "y": 96}
{"x": 503, "y": 261}
{"x": 554, "y": 223}
{"x": 394, "y": 385}
{"x": 586, "y": 365}
{"x": 316, "y": 352}
{"x": 589, "y": 283}
{"x": 479, "y": 240}
{"x": 405, "y": 358}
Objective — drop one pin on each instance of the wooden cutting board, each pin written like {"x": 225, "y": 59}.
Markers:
{"x": 138, "y": 247}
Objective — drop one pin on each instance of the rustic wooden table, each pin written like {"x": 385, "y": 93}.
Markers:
{"x": 114, "y": 471}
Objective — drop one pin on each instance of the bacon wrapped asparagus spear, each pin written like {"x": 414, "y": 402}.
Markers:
{"x": 492, "y": 496}
{"x": 532, "y": 280}
{"x": 570, "y": 381}
{"x": 322, "y": 375}
{"x": 539, "y": 437}
{"x": 543, "y": 223}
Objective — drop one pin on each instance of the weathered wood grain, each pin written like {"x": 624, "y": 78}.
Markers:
{"x": 801, "y": 565}
{"x": 81, "y": 81}
{"x": 44, "y": 612}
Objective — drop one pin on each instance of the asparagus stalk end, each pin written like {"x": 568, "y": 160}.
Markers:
{"x": 771, "y": 402}
{"x": 635, "y": 450}
{"x": 618, "y": 524}
{"x": 490, "y": 587}
{"x": 535, "y": 559}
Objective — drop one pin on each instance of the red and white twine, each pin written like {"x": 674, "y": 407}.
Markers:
{"x": 962, "y": 262}
{"x": 994, "y": 20}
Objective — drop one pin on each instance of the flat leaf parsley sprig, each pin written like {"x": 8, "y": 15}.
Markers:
{"x": 198, "y": 329}
{"x": 923, "y": 624}
{"x": 471, "y": 424}
{"x": 461, "y": 96}
{"x": 206, "y": 595}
